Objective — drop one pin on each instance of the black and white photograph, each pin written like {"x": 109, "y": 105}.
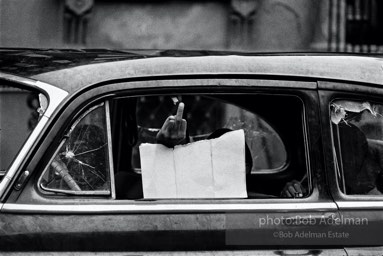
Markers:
{"x": 191, "y": 127}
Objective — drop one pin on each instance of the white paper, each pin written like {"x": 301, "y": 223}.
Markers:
{"x": 158, "y": 179}
{"x": 205, "y": 169}
{"x": 228, "y": 158}
{"x": 194, "y": 171}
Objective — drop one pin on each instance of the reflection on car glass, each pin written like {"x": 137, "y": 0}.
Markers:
{"x": 260, "y": 138}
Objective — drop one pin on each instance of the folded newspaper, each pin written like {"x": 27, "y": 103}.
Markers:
{"x": 212, "y": 168}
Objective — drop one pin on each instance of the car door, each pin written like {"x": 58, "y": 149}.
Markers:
{"x": 351, "y": 115}
{"x": 70, "y": 200}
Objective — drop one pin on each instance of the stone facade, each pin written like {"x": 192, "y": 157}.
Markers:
{"x": 253, "y": 25}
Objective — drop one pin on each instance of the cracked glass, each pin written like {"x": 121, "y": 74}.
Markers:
{"x": 81, "y": 163}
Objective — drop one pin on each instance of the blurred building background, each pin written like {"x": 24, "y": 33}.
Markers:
{"x": 250, "y": 25}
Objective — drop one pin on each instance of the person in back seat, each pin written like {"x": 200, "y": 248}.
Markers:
{"x": 361, "y": 164}
{"x": 360, "y": 168}
{"x": 174, "y": 132}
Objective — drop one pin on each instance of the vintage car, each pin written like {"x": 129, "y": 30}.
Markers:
{"x": 283, "y": 154}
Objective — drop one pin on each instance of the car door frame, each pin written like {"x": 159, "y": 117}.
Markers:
{"x": 159, "y": 221}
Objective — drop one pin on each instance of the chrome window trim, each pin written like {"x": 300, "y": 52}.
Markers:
{"x": 110, "y": 149}
{"x": 56, "y": 96}
{"x": 150, "y": 207}
{"x": 70, "y": 192}
{"x": 307, "y": 149}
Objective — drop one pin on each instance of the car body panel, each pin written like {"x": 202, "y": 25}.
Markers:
{"x": 31, "y": 220}
{"x": 152, "y": 232}
{"x": 182, "y": 215}
{"x": 358, "y": 69}
{"x": 165, "y": 86}
{"x": 61, "y": 67}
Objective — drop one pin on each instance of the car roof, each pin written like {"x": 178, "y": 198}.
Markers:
{"x": 71, "y": 70}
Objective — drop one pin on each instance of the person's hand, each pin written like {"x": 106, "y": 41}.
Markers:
{"x": 173, "y": 131}
{"x": 293, "y": 189}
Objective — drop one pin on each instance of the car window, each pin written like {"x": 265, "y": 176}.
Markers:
{"x": 234, "y": 146}
{"x": 18, "y": 117}
{"x": 81, "y": 164}
{"x": 358, "y": 139}
{"x": 206, "y": 115}
{"x": 262, "y": 118}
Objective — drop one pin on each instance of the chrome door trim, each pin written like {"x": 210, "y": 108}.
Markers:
{"x": 255, "y": 252}
{"x": 360, "y": 205}
{"x": 110, "y": 150}
{"x": 154, "y": 207}
{"x": 55, "y": 96}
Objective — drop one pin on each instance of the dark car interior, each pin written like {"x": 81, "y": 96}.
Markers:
{"x": 142, "y": 117}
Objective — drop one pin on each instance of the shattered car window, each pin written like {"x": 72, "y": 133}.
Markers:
{"x": 81, "y": 164}
{"x": 358, "y": 139}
